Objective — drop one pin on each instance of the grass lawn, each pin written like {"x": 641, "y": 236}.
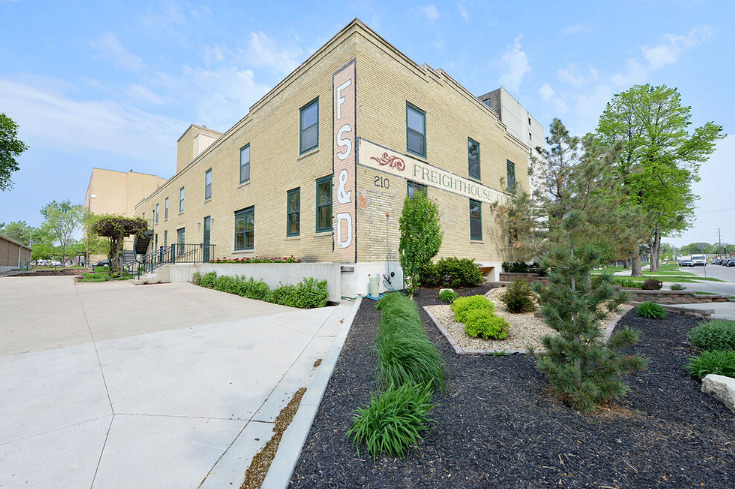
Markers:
{"x": 685, "y": 278}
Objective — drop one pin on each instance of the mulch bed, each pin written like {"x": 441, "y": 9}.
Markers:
{"x": 499, "y": 425}
{"x": 51, "y": 273}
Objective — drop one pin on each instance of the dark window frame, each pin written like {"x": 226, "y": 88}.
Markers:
{"x": 181, "y": 199}
{"x": 471, "y": 161}
{"x": 165, "y": 208}
{"x": 476, "y": 237}
{"x": 246, "y": 147}
{"x": 410, "y": 106}
{"x": 410, "y": 184}
{"x": 319, "y": 206}
{"x": 303, "y": 150}
{"x": 297, "y": 212}
{"x": 156, "y": 213}
{"x": 510, "y": 174}
{"x": 242, "y": 215}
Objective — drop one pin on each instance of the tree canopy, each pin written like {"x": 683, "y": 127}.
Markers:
{"x": 62, "y": 220}
{"x": 421, "y": 237}
{"x": 116, "y": 228}
{"x": 10, "y": 148}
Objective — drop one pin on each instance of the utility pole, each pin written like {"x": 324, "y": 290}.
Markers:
{"x": 719, "y": 241}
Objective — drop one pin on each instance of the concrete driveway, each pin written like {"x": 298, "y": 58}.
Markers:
{"x": 113, "y": 385}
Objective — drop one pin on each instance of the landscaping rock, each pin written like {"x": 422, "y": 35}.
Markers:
{"x": 721, "y": 388}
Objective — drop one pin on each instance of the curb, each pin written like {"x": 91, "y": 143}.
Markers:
{"x": 289, "y": 450}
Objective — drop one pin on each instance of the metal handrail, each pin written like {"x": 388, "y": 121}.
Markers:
{"x": 174, "y": 253}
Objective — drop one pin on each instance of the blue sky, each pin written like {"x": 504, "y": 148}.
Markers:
{"x": 114, "y": 84}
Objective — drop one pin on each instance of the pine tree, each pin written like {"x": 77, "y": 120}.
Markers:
{"x": 578, "y": 363}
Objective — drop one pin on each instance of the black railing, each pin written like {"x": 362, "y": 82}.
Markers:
{"x": 175, "y": 253}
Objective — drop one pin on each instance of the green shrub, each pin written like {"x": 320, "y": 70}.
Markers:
{"x": 409, "y": 357}
{"x": 286, "y": 295}
{"x": 208, "y": 280}
{"x": 393, "y": 421}
{"x": 627, "y": 282}
{"x": 712, "y": 362}
{"x": 651, "y": 284}
{"x": 196, "y": 278}
{"x": 523, "y": 267}
{"x": 447, "y": 295}
{"x": 651, "y": 310}
{"x": 452, "y": 272}
{"x": 716, "y": 334}
{"x": 677, "y": 287}
{"x": 518, "y": 297}
{"x": 480, "y": 323}
{"x": 312, "y": 293}
{"x": 462, "y": 305}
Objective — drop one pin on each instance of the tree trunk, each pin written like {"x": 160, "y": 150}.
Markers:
{"x": 635, "y": 262}
{"x": 656, "y": 249}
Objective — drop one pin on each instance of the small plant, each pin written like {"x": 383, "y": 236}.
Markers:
{"x": 208, "y": 280}
{"x": 651, "y": 310}
{"x": 480, "y": 323}
{"x": 463, "y": 305}
{"x": 677, "y": 287}
{"x": 393, "y": 422}
{"x": 716, "y": 334}
{"x": 518, "y": 297}
{"x": 627, "y": 283}
{"x": 447, "y": 295}
{"x": 651, "y": 284}
{"x": 712, "y": 362}
{"x": 196, "y": 278}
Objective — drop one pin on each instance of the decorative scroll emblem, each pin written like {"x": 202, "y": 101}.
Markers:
{"x": 392, "y": 161}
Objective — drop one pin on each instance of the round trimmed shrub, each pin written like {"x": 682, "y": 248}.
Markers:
{"x": 677, "y": 287}
{"x": 651, "y": 310}
{"x": 651, "y": 284}
{"x": 483, "y": 324}
{"x": 447, "y": 295}
{"x": 462, "y": 305}
{"x": 518, "y": 297}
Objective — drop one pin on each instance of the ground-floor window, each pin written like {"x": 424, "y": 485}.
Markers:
{"x": 180, "y": 240}
{"x": 413, "y": 187}
{"x": 475, "y": 220}
{"x": 324, "y": 204}
{"x": 293, "y": 212}
{"x": 245, "y": 229}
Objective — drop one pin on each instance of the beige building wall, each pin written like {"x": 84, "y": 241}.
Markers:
{"x": 13, "y": 254}
{"x": 192, "y": 143}
{"x": 385, "y": 81}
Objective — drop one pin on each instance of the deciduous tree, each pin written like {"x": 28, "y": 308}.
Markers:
{"x": 62, "y": 220}
{"x": 10, "y": 148}
{"x": 116, "y": 229}
{"x": 421, "y": 237}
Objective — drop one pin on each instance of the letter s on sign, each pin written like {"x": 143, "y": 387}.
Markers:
{"x": 344, "y": 143}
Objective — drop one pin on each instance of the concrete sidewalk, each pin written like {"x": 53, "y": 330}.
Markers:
{"x": 112, "y": 385}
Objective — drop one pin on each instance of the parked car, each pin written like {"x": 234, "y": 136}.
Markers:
{"x": 730, "y": 262}
{"x": 102, "y": 263}
{"x": 686, "y": 263}
{"x": 55, "y": 263}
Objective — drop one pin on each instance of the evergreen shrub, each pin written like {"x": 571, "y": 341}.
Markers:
{"x": 677, "y": 287}
{"x": 518, "y": 297}
{"x": 452, "y": 272}
{"x": 712, "y": 362}
{"x": 651, "y": 310}
{"x": 651, "y": 284}
{"x": 715, "y": 334}
{"x": 307, "y": 294}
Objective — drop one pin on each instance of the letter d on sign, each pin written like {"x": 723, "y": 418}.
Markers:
{"x": 344, "y": 240}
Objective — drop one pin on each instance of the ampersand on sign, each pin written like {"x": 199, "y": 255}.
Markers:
{"x": 342, "y": 196}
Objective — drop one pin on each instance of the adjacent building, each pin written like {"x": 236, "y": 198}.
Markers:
{"x": 320, "y": 166}
{"x": 13, "y": 254}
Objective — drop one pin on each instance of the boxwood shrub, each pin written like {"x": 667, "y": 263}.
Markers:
{"x": 463, "y": 305}
{"x": 452, "y": 272}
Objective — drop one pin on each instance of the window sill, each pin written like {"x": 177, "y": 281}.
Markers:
{"x": 324, "y": 233}
{"x": 237, "y": 252}
{"x": 207, "y": 201}
{"x": 181, "y": 212}
{"x": 478, "y": 180}
{"x": 476, "y": 241}
{"x": 243, "y": 184}
{"x": 308, "y": 153}
{"x": 291, "y": 238}
{"x": 416, "y": 156}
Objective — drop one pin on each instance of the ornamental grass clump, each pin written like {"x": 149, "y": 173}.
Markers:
{"x": 715, "y": 334}
{"x": 394, "y": 421}
{"x": 651, "y": 310}
{"x": 578, "y": 363}
{"x": 718, "y": 362}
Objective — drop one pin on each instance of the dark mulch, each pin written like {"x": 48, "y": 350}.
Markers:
{"x": 50, "y": 273}
{"x": 498, "y": 425}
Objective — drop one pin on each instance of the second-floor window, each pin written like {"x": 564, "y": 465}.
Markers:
{"x": 511, "y": 175}
{"x": 473, "y": 158}
{"x": 309, "y": 126}
{"x": 415, "y": 130}
{"x": 208, "y": 185}
{"x": 245, "y": 163}
{"x": 181, "y": 199}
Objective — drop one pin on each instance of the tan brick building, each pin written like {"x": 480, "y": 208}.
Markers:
{"x": 13, "y": 255}
{"x": 320, "y": 166}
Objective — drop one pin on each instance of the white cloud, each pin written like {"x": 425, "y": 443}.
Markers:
{"x": 464, "y": 14}
{"x": 546, "y": 92}
{"x": 110, "y": 47}
{"x": 430, "y": 12}
{"x": 576, "y": 75}
{"x": 515, "y": 66}
{"x": 556, "y": 104}
{"x": 673, "y": 46}
{"x": 72, "y": 125}
{"x": 262, "y": 51}
{"x": 139, "y": 94}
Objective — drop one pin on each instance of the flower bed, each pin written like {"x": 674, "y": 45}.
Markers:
{"x": 257, "y": 259}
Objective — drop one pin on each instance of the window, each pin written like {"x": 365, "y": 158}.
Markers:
{"x": 529, "y": 121}
{"x": 415, "y": 130}
{"x": 208, "y": 185}
{"x": 511, "y": 174}
{"x": 144, "y": 215}
{"x": 414, "y": 187}
{"x": 245, "y": 163}
{"x": 165, "y": 209}
{"x": 324, "y": 204}
{"x": 293, "y": 212}
{"x": 473, "y": 158}
{"x": 181, "y": 199}
{"x": 475, "y": 220}
{"x": 309, "y": 126}
{"x": 181, "y": 238}
{"x": 155, "y": 242}
{"x": 245, "y": 229}
{"x": 156, "y": 213}
{"x": 165, "y": 239}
